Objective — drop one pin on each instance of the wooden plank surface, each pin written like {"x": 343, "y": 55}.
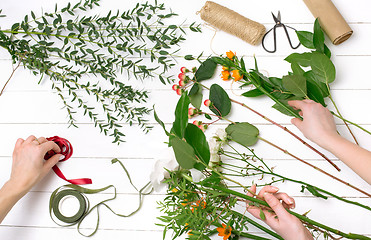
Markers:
{"x": 27, "y": 107}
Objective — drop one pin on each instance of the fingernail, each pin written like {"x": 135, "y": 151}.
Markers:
{"x": 275, "y": 188}
{"x": 61, "y": 157}
{"x": 291, "y": 201}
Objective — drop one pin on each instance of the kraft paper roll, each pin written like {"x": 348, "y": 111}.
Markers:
{"x": 330, "y": 19}
{"x": 231, "y": 22}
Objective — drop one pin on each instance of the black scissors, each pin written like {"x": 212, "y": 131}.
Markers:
{"x": 278, "y": 24}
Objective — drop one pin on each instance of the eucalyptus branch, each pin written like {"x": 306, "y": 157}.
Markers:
{"x": 66, "y": 49}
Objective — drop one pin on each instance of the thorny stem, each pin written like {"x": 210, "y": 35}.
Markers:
{"x": 288, "y": 131}
{"x": 317, "y": 168}
{"x": 346, "y": 124}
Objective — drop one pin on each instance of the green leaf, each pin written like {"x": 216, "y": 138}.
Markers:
{"x": 303, "y": 59}
{"x": 314, "y": 92}
{"x": 314, "y": 192}
{"x": 181, "y": 116}
{"x": 318, "y": 37}
{"x": 243, "y": 133}
{"x": 295, "y": 84}
{"x": 306, "y": 39}
{"x": 196, "y": 138}
{"x": 189, "y": 57}
{"x": 220, "y": 100}
{"x": 15, "y": 27}
{"x": 323, "y": 68}
{"x": 277, "y": 83}
{"x": 158, "y": 120}
{"x": 327, "y": 52}
{"x": 262, "y": 215}
{"x": 281, "y": 109}
{"x": 196, "y": 98}
{"x": 296, "y": 69}
{"x": 184, "y": 152}
{"x": 322, "y": 86}
{"x": 253, "y": 93}
{"x": 206, "y": 70}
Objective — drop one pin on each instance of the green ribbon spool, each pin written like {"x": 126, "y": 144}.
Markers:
{"x": 66, "y": 193}
{"x": 79, "y": 193}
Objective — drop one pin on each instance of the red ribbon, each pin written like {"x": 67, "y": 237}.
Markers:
{"x": 66, "y": 151}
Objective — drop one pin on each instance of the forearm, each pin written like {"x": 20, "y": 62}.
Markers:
{"x": 355, "y": 157}
{"x": 9, "y": 196}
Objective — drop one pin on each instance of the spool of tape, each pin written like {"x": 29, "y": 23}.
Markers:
{"x": 55, "y": 205}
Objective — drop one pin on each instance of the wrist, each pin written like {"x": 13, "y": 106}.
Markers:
{"x": 327, "y": 141}
{"x": 14, "y": 190}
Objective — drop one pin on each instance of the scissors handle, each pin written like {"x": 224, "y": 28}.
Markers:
{"x": 288, "y": 36}
{"x": 274, "y": 40}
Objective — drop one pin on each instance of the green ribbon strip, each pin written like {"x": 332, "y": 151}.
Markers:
{"x": 79, "y": 193}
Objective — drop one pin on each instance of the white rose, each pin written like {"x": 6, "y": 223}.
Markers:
{"x": 197, "y": 175}
{"x": 159, "y": 170}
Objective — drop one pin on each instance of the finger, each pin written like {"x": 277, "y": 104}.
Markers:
{"x": 19, "y": 142}
{"x": 308, "y": 101}
{"x": 267, "y": 189}
{"x": 301, "y": 113}
{"x": 50, "y": 145}
{"x": 42, "y": 140}
{"x": 51, "y": 162}
{"x": 30, "y": 139}
{"x": 297, "y": 122}
{"x": 252, "y": 191}
{"x": 276, "y": 205}
{"x": 297, "y": 104}
{"x": 288, "y": 202}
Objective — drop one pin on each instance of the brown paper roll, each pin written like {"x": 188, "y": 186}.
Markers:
{"x": 330, "y": 20}
{"x": 231, "y": 22}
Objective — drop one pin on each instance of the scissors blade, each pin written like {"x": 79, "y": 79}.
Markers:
{"x": 278, "y": 18}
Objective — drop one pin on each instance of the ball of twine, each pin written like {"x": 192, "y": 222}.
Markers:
{"x": 231, "y": 22}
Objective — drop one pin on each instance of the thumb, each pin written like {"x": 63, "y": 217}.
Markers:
{"x": 276, "y": 205}
{"x": 48, "y": 164}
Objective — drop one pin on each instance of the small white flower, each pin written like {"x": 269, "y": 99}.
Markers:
{"x": 159, "y": 170}
{"x": 221, "y": 134}
{"x": 214, "y": 145}
{"x": 197, "y": 175}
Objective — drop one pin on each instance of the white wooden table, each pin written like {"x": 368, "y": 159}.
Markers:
{"x": 29, "y": 108}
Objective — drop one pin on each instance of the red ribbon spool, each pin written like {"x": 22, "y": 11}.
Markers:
{"x": 66, "y": 151}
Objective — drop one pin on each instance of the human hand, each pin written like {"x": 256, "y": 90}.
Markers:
{"x": 318, "y": 124}
{"x": 28, "y": 166}
{"x": 286, "y": 225}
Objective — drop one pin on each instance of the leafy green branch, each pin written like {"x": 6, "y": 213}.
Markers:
{"x": 71, "y": 49}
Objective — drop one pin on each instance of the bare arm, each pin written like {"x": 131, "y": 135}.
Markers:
{"x": 28, "y": 168}
{"x": 318, "y": 126}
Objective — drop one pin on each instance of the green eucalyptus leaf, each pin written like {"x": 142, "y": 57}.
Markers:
{"x": 158, "y": 120}
{"x": 243, "y": 133}
{"x": 303, "y": 59}
{"x": 221, "y": 103}
{"x": 318, "y": 37}
{"x": 253, "y": 93}
{"x": 261, "y": 214}
{"x": 181, "y": 115}
{"x": 184, "y": 152}
{"x": 295, "y": 84}
{"x": 306, "y": 39}
{"x": 314, "y": 92}
{"x": 323, "y": 68}
{"x": 206, "y": 70}
{"x": 196, "y": 138}
{"x": 196, "y": 96}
